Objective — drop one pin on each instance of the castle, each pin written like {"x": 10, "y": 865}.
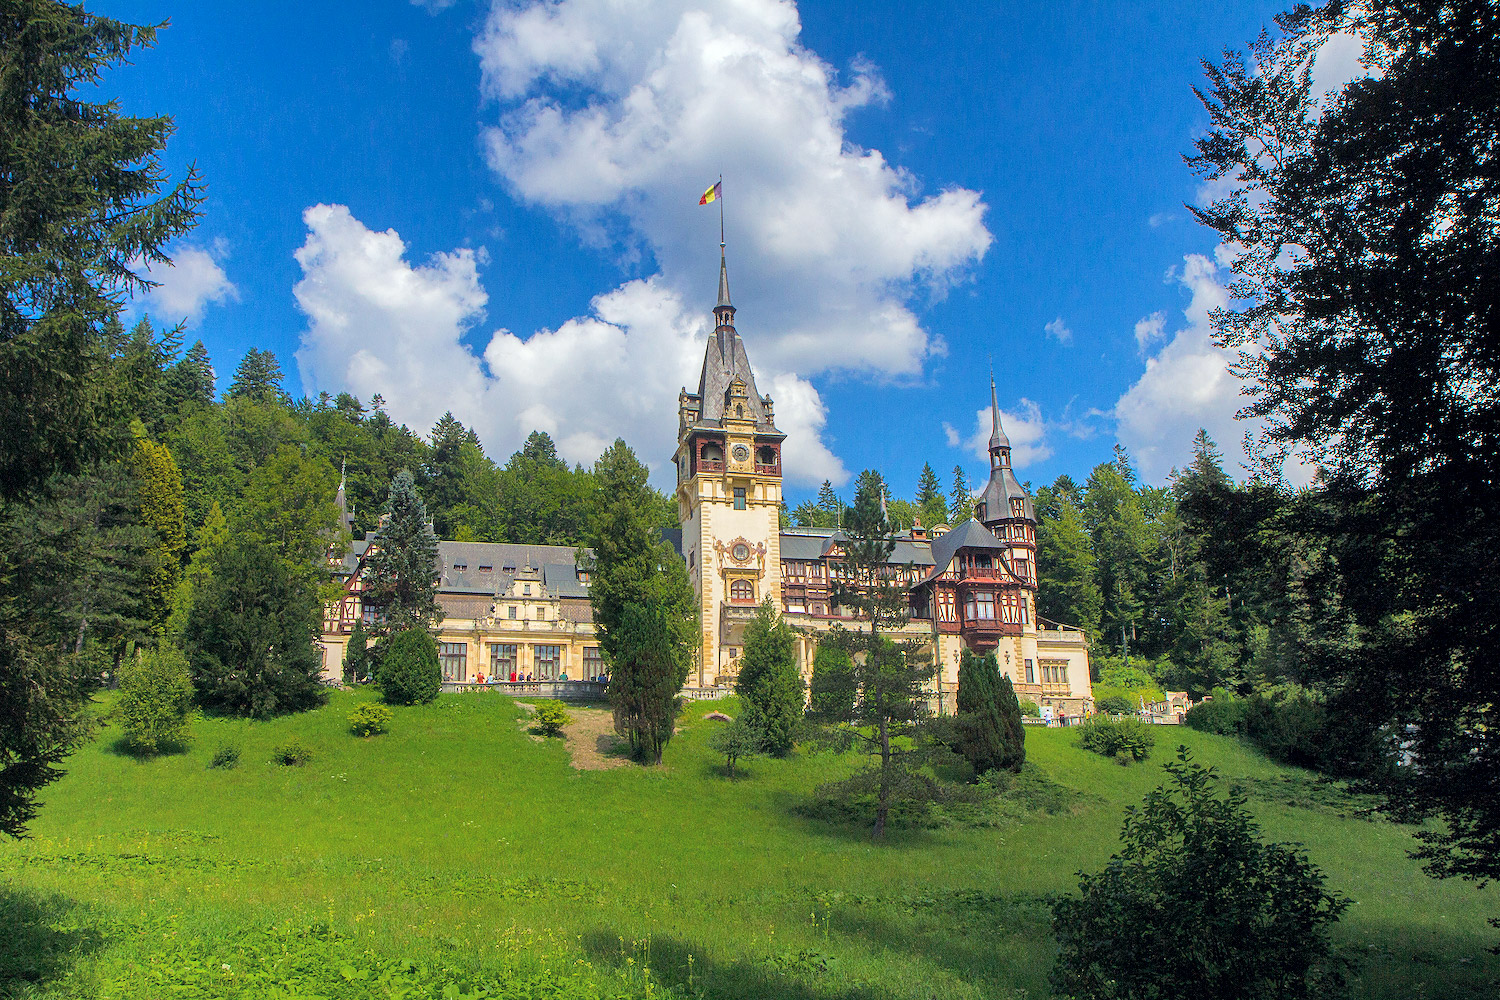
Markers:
{"x": 523, "y": 610}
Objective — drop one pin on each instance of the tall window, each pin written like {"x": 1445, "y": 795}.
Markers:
{"x": 510, "y": 612}
{"x": 502, "y": 659}
{"x": 548, "y": 662}
{"x": 742, "y": 591}
{"x": 947, "y": 606}
{"x": 593, "y": 663}
{"x": 739, "y": 498}
{"x": 453, "y": 657}
{"x": 1030, "y": 672}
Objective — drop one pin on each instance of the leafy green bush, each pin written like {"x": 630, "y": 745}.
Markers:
{"x": 409, "y": 669}
{"x": 226, "y": 756}
{"x": 1031, "y": 708}
{"x": 1195, "y": 895}
{"x": 550, "y": 717}
{"x": 369, "y": 719}
{"x": 1112, "y": 737}
{"x": 736, "y": 741}
{"x": 156, "y": 695}
{"x": 1222, "y": 715}
{"x": 1116, "y": 704}
{"x": 291, "y": 753}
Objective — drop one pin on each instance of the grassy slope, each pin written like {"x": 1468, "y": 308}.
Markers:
{"x": 457, "y": 834}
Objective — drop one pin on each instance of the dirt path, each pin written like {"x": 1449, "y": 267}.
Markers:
{"x": 591, "y": 739}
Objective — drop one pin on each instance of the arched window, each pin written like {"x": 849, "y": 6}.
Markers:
{"x": 741, "y": 590}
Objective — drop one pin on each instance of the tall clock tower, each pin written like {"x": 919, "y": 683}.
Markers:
{"x": 728, "y": 495}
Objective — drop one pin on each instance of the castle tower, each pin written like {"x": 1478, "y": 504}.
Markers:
{"x": 1005, "y": 509}
{"x": 728, "y": 494}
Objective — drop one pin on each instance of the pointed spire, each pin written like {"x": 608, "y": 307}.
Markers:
{"x": 723, "y": 280}
{"x": 997, "y": 435}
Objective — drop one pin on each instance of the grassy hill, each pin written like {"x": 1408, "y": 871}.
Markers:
{"x": 458, "y": 853}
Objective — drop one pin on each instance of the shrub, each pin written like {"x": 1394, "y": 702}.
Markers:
{"x": 369, "y": 720}
{"x": 1195, "y": 895}
{"x": 736, "y": 741}
{"x": 1112, "y": 737}
{"x": 409, "y": 670}
{"x": 1116, "y": 704}
{"x": 156, "y": 695}
{"x": 1031, "y": 708}
{"x": 226, "y": 756}
{"x": 291, "y": 753}
{"x": 550, "y": 717}
{"x": 1222, "y": 715}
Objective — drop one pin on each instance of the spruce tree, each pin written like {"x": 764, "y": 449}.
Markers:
{"x": 402, "y": 576}
{"x": 258, "y": 377}
{"x": 410, "y": 673}
{"x": 191, "y": 380}
{"x": 981, "y": 727}
{"x": 1067, "y": 570}
{"x": 648, "y": 669}
{"x": 960, "y": 500}
{"x": 357, "y": 655}
{"x": 931, "y": 504}
{"x": 161, "y": 513}
{"x": 769, "y": 686}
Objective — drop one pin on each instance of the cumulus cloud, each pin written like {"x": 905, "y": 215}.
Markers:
{"x": 188, "y": 285}
{"x": 1058, "y": 331}
{"x": 614, "y": 111}
{"x": 1149, "y": 330}
{"x": 1024, "y": 426}
{"x": 378, "y": 322}
{"x": 615, "y": 115}
{"x": 433, "y": 6}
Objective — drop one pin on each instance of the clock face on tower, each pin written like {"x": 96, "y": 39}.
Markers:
{"x": 740, "y": 452}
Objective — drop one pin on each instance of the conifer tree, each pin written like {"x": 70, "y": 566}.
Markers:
{"x": 161, "y": 513}
{"x": 258, "y": 377}
{"x": 410, "y": 673}
{"x": 932, "y": 506}
{"x": 1068, "y": 574}
{"x": 989, "y": 716}
{"x": 648, "y": 669}
{"x": 769, "y": 686}
{"x": 829, "y": 501}
{"x": 191, "y": 380}
{"x": 832, "y": 695}
{"x": 357, "y": 654}
{"x": 960, "y": 500}
{"x": 403, "y": 573}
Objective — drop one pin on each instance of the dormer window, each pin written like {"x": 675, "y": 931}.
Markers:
{"x": 486, "y": 569}
{"x": 460, "y": 567}
{"x": 525, "y": 590}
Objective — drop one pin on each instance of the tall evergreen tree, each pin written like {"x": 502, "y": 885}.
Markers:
{"x": 989, "y": 722}
{"x": 769, "y": 686}
{"x": 191, "y": 380}
{"x": 831, "y": 698}
{"x": 648, "y": 668}
{"x": 251, "y": 636}
{"x": 1067, "y": 578}
{"x": 960, "y": 500}
{"x": 932, "y": 506}
{"x": 402, "y": 580}
{"x": 258, "y": 377}
{"x": 161, "y": 513}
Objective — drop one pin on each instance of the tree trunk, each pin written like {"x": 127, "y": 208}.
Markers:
{"x": 883, "y": 799}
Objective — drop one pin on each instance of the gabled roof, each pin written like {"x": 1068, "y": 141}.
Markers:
{"x": 969, "y": 535}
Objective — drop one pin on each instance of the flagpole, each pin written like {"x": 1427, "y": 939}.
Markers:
{"x": 721, "y": 212}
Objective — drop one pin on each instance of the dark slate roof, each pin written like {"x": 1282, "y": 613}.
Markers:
{"x": 969, "y": 535}
{"x": 813, "y": 543}
{"x": 723, "y": 359}
{"x": 561, "y": 580}
{"x": 464, "y": 605}
{"x": 998, "y": 492}
{"x": 674, "y": 537}
{"x": 802, "y": 547}
{"x": 506, "y": 560}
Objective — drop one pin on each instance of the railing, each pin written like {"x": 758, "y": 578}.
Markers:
{"x": 709, "y": 465}
{"x": 560, "y": 690}
{"x": 707, "y": 693}
{"x": 983, "y": 573}
{"x": 765, "y": 470}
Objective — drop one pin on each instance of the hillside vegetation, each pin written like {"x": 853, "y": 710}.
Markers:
{"x": 459, "y": 855}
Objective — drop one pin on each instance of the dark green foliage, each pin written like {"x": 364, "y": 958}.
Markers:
{"x": 1031, "y": 709}
{"x": 960, "y": 500}
{"x": 369, "y": 719}
{"x": 1068, "y": 582}
{"x": 832, "y": 695}
{"x": 550, "y": 717}
{"x": 258, "y": 377}
{"x": 226, "y": 757}
{"x": 156, "y": 698}
{"x": 401, "y": 586}
{"x": 251, "y": 636}
{"x": 736, "y": 740}
{"x": 990, "y": 734}
{"x": 1116, "y": 704}
{"x": 357, "y": 654}
{"x": 409, "y": 670}
{"x": 1130, "y": 738}
{"x": 191, "y": 380}
{"x": 291, "y": 752}
{"x": 1220, "y": 714}
{"x": 769, "y": 685}
{"x": 648, "y": 669}
{"x": 1195, "y": 905}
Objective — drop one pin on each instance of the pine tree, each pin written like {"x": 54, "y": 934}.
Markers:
{"x": 161, "y": 513}
{"x": 251, "y": 636}
{"x": 401, "y": 585}
{"x": 960, "y": 500}
{"x": 191, "y": 380}
{"x": 357, "y": 655}
{"x": 258, "y": 377}
{"x": 769, "y": 686}
{"x": 1068, "y": 575}
{"x": 648, "y": 669}
{"x": 990, "y": 736}
{"x": 830, "y": 503}
{"x": 932, "y": 506}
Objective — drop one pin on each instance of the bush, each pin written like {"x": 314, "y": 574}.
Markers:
{"x": 1116, "y": 704}
{"x": 409, "y": 670}
{"x": 550, "y": 717}
{"x": 1222, "y": 715}
{"x": 1194, "y": 895}
{"x": 736, "y": 741}
{"x": 156, "y": 695}
{"x": 291, "y": 753}
{"x": 369, "y": 720}
{"x": 1031, "y": 708}
{"x": 226, "y": 756}
{"x": 1111, "y": 737}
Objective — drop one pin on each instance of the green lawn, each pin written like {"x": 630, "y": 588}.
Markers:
{"x": 464, "y": 846}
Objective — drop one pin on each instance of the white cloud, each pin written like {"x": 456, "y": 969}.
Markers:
{"x": 1340, "y": 59}
{"x": 378, "y": 323}
{"x": 621, "y": 111}
{"x": 951, "y": 433}
{"x": 433, "y": 6}
{"x": 1158, "y": 219}
{"x": 1058, "y": 331}
{"x": 1148, "y": 330}
{"x": 187, "y": 286}
{"x": 1025, "y": 427}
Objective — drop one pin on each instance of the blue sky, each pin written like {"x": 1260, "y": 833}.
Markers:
{"x": 493, "y": 210}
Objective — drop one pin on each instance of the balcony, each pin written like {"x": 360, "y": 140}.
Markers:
{"x": 767, "y": 470}
{"x": 709, "y": 465}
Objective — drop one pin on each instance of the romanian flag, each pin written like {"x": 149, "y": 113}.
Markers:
{"x": 712, "y": 194}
